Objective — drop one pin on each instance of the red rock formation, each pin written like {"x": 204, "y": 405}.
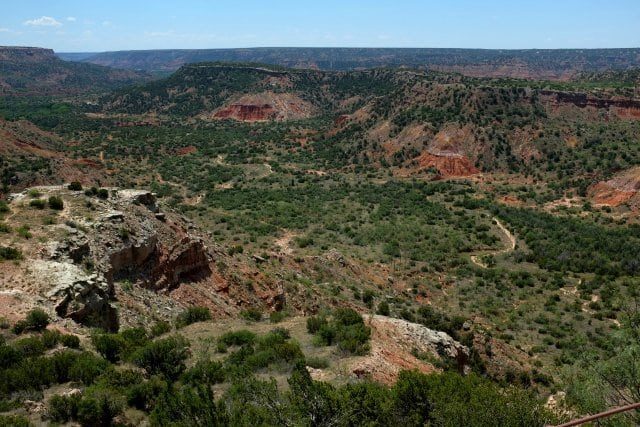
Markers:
{"x": 393, "y": 346}
{"x": 447, "y": 152}
{"x": 265, "y": 106}
{"x": 622, "y": 188}
{"x": 186, "y": 150}
{"x": 247, "y": 113}
{"x": 623, "y": 108}
{"x": 341, "y": 120}
{"x": 451, "y": 165}
{"x": 187, "y": 260}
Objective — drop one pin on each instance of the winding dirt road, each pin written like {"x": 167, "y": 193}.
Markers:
{"x": 510, "y": 247}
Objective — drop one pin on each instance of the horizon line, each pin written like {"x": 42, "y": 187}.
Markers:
{"x": 328, "y": 47}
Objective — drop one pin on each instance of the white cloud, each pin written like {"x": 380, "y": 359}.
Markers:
{"x": 5, "y": 30}
{"x": 43, "y": 21}
{"x": 169, "y": 33}
{"x": 71, "y": 18}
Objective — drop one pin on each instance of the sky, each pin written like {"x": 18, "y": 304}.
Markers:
{"x": 107, "y": 25}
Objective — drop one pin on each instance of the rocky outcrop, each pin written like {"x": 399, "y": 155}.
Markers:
{"x": 187, "y": 260}
{"x": 395, "y": 345}
{"x": 265, "y": 106}
{"x": 87, "y": 301}
{"x": 620, "y": 189}
{"x": 75, "y": 247}
{"x": 449, "y": 165}
{"x": 447, "y": 153}
{"x": 622, "y": 107}
{"x": 140, "y": 197}
{"x": 247, "y": 113}
{"x": 76, "y": 294}
{"x": 123, "y": 239}
{"x": 128, "y": 260}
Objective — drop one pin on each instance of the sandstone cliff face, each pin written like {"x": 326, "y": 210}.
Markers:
{"x": 265, "y": 106}
{"x": 620, "y": 107}
{"x": 187, "y": 260}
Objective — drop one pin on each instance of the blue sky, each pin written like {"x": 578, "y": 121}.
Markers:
{"x": 88, "y": 25}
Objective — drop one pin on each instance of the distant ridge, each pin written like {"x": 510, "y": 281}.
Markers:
{"x": 554, "y": 64}
{"x": 34, "y": 70}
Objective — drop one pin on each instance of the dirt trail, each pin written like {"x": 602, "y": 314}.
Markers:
{"x": 284, "y": 242}
{"x": 510, "y": 247}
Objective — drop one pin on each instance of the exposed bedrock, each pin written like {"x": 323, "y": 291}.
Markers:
{"x": 126, "y": 242}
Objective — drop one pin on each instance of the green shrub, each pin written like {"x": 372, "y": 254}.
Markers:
{"x": 4, "y": 228}
{"x": 37, "y": 320}
{"x": 453, "y": 399}
{"x": 326, "y": 335}
{"x": 314, "y": 323}
{"x": 99, "y": 408}
{"x": 103, "y": 193}
{"x": 440, "y": 321}
{"x": 30, "y": 346}
{"x": 189, "y": 406}
{"x": 163, "y": 357}
{"x": 63, "y": 409}
{"x": 14, "y": 421}
{"x": 273, "y": 347}
{"x": 120, "y": 346}
{"x": 277, "y": 316}
{"x": 75, "y": 186}
{"x": 9, "y": 356}
{"x": 204, "y": 372}
{"x": 50, "y": 339}
{"x": 237, "y": 338}
{"x": 87, "y": 367}
{"x": 237, "y": 249}
{"x": 33, "y": 373}
{"x": 347, "y": 317}
{"x": 48, "y": 220}
{"x": 134, "y": 338}
{"x": 4, "y": 207}
{"x": 38, "y": 203}
{"x": 145, "y": 394}
{"x": 192, "y": 315}
{"x": 383, "y": 308}
{"x": 70, "y": 341}
{"x": 160, "y": 328}
{"x": 354, "y": 339}
{"x": 303, "y": 242}
{"x": 56, "y": 203}
{"x": 23, "y": 231}
{"x": 251, "y": 314}
{"x": 317, "y": 362}
{"x": 110, "y": 346}
{"x": 346, "y": 329}
{"x": 367, "y": 298}
{"x": 9, "y": 253}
